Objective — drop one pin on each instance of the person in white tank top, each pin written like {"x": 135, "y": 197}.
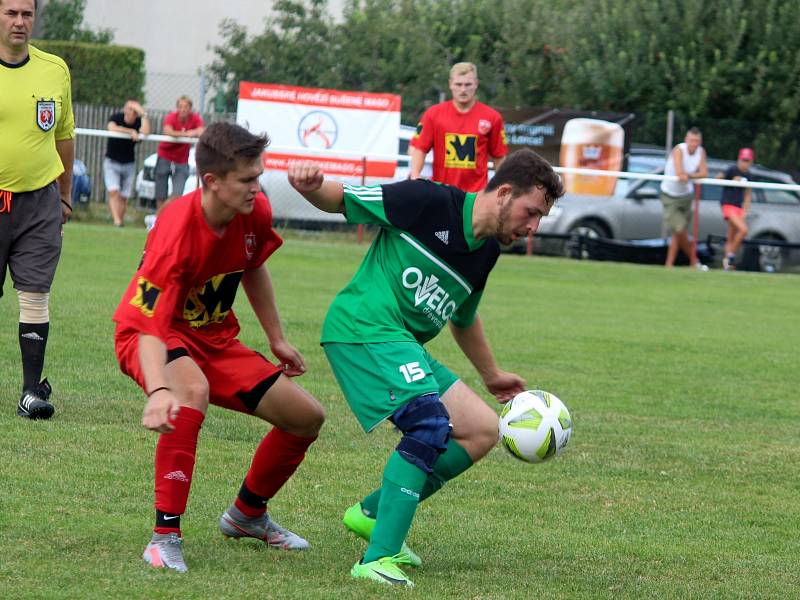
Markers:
{"x": 687, "y": 161}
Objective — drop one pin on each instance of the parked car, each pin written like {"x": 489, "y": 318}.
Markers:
{"x": 146, "y": 181}
{"x": 286, "y": 203}
{"x": 634, "y": 212}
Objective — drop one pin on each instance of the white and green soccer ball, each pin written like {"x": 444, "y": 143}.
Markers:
{"x": 535, "y": 426}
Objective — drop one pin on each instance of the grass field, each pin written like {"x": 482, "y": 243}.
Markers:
{"x": 680, "y": 480}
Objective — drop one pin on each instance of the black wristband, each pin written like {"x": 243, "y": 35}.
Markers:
{"x": 67, "y": 204}
{"x": 158, "y": 389}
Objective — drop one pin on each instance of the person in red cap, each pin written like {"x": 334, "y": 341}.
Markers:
{"x": 735, "y": 204}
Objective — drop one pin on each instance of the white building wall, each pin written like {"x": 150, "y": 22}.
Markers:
{"x": 177, "y": 37}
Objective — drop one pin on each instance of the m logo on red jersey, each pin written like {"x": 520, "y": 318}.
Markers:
{"x": 461, "y": 150}
{"x": 146, "y": 297}
{"x": 212, "y": 301}
{"x": 45, "y": 114}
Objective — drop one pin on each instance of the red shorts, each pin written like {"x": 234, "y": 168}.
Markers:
{"x": 238, "y": 377}
{"x": 731, "y": 210}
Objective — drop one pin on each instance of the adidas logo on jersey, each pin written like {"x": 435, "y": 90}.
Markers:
{"x": 443, "y": 236}
{"x": 177, "y": 476}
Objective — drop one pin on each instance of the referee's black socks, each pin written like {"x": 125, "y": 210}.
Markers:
{"x": 32, "y": 344}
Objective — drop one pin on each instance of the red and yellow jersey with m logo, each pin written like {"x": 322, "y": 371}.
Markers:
{"x": 187, "y": 281}
{"x": 462, "y": 143}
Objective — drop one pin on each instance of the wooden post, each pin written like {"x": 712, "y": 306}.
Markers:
{"x": 695, "y": 225}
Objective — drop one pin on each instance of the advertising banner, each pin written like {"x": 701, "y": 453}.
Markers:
{"x": 571, "y": 138}
{"x": 352, "y": 134}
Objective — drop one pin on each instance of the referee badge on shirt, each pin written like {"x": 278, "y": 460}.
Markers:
{"x": 45, "y": 114}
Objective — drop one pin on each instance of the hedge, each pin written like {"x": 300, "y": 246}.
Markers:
{"x": 101, "y": 73}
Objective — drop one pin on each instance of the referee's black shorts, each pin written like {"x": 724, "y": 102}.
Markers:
{"x": 30, "y": 237}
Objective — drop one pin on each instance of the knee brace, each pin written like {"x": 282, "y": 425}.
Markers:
{"x": 425, "y": 424}
{"x": 33, "y": 307}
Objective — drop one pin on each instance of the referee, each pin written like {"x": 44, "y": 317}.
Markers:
{"x": 36, "y": 153}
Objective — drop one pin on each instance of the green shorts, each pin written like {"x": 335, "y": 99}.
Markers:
{"x": 677, "y": 212}
{"x": 379, "y": 378}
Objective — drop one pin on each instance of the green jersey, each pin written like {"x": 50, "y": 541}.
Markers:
{"x": 424, "y": 267}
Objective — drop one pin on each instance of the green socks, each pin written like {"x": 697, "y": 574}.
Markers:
{"x": 399, "y": 496}
{"x": 450, "y": 464}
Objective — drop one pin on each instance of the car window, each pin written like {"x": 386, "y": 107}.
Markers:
{"x": 712, "y": 193}
{"x": 639, "y": 164}
{"x": 777, "y": 197}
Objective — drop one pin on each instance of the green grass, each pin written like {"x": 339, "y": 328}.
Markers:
{"x": 680, "y": 480}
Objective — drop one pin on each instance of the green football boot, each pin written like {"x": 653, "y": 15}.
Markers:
{"x": 360, "y": 524}
{"x": 383, "y": 570}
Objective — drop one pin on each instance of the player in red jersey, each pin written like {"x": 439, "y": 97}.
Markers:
{"x": 176, "y": 337}
{"x": 463, "y": 133}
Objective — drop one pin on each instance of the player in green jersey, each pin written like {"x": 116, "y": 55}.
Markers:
{"x": 427, "y": 266}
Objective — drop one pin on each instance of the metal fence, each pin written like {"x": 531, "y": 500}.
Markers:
{"x": 92, "y": 149}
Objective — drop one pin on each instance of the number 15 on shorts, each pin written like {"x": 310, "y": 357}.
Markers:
{"x": 412, "y": 372}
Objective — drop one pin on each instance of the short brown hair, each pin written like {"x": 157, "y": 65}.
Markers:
{"x": 223, "y": 145}
{"x": 525, "y": 170}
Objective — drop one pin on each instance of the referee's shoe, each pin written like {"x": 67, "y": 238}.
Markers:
{"x": 35, "y": 404}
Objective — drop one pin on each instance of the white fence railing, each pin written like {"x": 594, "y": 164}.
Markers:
{"x": 96, "y": 168}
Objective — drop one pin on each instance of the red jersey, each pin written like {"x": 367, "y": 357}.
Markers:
{"x": 462, "y": 143}
{"x": 187, "y": 281}
{"x": 178, "y": 152}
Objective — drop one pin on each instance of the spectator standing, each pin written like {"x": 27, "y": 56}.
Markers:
{"x": 119, "y": 166}
{"x": 687, "y": 161}
{"x": 37, "y": 149}
{"x": 173, "y": 157}
{"x": 463, "y": 134}
{"x": 735, "y": 204}
{"x": 176, "y": 337}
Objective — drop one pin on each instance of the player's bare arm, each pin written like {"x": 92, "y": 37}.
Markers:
{"x": 66, "y": 152}
{"x": 504, "y": 385}
{"x": 417, "y": 162}
{"x": 308, "y": 178}
{"x": 257, "y": 284}
{"x": 677, "y": 160}
{"x": 162, "y": 405}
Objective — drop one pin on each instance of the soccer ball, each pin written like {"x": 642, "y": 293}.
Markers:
{"x": 535, "y": 426}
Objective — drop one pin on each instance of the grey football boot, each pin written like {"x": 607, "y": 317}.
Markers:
{"x": 234, "y": 524}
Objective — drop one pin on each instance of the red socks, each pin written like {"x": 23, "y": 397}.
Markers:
{"x": 276, "y": 459}
{"x": 175, "y": 456}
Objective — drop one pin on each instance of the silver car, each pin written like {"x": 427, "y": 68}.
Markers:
{"x": 634, "y": 212}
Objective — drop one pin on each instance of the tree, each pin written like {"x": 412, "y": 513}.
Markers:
{"x": 294, "y": 48}
{"x": 63, "y": 20}
{"x": 730, "y": 66}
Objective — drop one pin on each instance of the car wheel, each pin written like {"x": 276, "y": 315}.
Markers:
{"x": 771, "y": 259}
{"x": 574, "y": 247}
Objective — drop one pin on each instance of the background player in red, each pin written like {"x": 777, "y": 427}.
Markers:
{"x": 176, "y": 337}
{"x": 463, "y": 133}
